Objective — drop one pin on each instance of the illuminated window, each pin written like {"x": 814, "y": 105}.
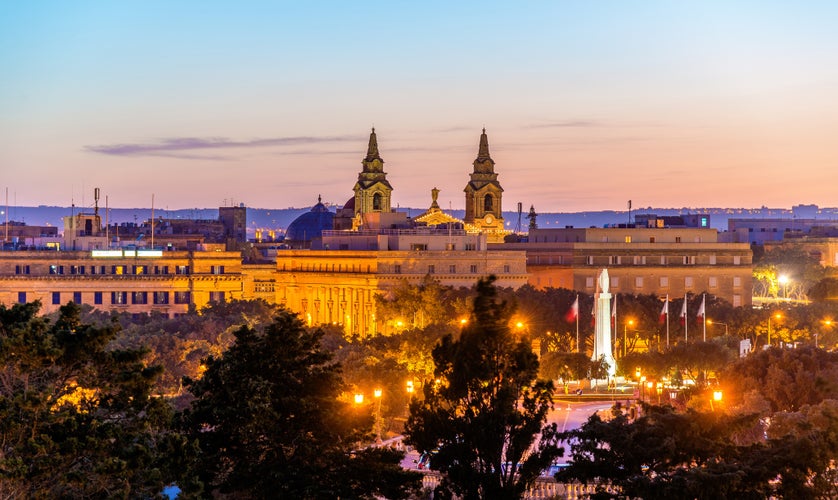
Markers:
{"x": 139, "y": 297}
{"x": 182, "y": 297}
{"x": 140, "y": 270}
{"x": 117, "y": 269}
{"x": 119, "y": 298}
{"x": 161, "y": 297}
{"x": 628, "y": 239}
{"x": 217, "y": 269}
{"x": 216, "y": 297}
{"x": 182, "y": 270}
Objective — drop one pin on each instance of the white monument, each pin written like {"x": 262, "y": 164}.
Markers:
{"x": 602, "y": 337}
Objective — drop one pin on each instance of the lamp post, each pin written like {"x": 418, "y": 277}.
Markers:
{"x": 784, "y": 280}
{"x": 377, "y": 419}
{"x": 711, "y": 322}
{"x": 625, "y": 334}
{"x": 776, "y": 316}
{"x": 828, "y": 323}
{"x": 717, "y": 397}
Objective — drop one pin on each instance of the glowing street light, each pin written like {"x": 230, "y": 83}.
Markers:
{"x": 717, "y": 397}
{"x": 627, "y": 324}
{"x": 359, "y": 398}
{"x": 776, "y": 316}
{"x": 711, "y": 322}
{"x": 377, "y": 418}
{"x": 784, "y": 280}
{"x": 410, "y": 387}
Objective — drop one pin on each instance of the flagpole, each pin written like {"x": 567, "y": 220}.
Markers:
{"x": 577, "y": 324}
{"x": 704, "y": 315}
{"x": 667, "y": 321}
{"x": 686, "y": 318}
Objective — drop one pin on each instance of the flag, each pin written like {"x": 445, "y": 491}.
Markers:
{"x": 665, "y": 310}
{"x": 684, "y": 311}
{"x": 574, "y": 311}
{"x": 593, "y": 314}
{"x": 701, "y": 313}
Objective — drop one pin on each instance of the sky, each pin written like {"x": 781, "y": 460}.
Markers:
{"x": 587, "y": 104}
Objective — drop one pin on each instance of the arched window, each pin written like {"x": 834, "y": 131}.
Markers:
{"x": 376, "y": 201}
{"x": 487, "y": 203}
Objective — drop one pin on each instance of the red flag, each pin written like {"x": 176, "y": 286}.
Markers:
{"x": 593, "y": 314}
{"x": 701, "y": 312}
{"x": 684, "y": 312}
{"x": 574, "y": 311}
{"x": 665, "y": 310}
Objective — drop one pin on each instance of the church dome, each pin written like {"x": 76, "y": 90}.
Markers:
{"x": 310, "y": 225}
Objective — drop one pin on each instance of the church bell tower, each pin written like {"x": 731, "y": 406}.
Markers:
{"x": 372, "y": 191}
{"x": 484, "y": 193}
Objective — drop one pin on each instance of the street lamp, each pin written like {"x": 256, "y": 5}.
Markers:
{"x": 359, "y": 398}
{"x": 711, "y": 322}
{"x": 717, "y": 397}
{"x": 625, "y": 334}
{"x": 776, "y": 316}
{"x": 828, "y": 323}
{"x": 784, "y": 280}
{"x": 377, "y": 419}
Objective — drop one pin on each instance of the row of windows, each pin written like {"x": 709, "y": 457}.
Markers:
{"x": 452, "y": 269}
{"x": 119, "y": 269}
{"x": 125, "y": 298}
{"x": 642, "y": 260}
{"x": 663, "y": 282}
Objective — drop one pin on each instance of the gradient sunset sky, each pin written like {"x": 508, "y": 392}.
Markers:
{"x": 587, "y": 104}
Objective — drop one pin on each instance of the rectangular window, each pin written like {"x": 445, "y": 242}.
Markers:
{"x": 589, "y": 260}
{"x": 182, "y": 270}
{"x": 419, "y": 246}
{"x": 77, "y": 297}
{"x": 161, "y": 297}
{"x": 663, "y": 260}
{"x": 117, "y": 269}
{"x": 473, "y": 269}
{"x": 737, "y": 260}
{"x": 471, "y": 247}
{"x": 53, "y": 269}
{"x": 677, "y": 239}
{"x": 651, "y": 239}
{"x": 119, "y": 298}
{"x": 217, "y": 269}
{"x": 737, "y": 300}
{"x": 615, "y": 282}
{"x": 589, "y": 282}
{"x": 139, "y": 297}
{"x": 664, "y": 282}
{"x": 737, "y": 281}
{"x": 636, "y": 260}
{"x": 56, "y": 298}
{"x": 21, "y": 269}
{"x": 140, "y": 270}
{"x": 182, "y": 297}
{"x": 688, "y": 282}
{"x": 506, "y": 268}
{"x": 613, "y": 260}
{"x": 97, "y": 298}
{"x": 216, "y": 297}
{"x": 713, "y": 282}
{"x": 638, "y": 282}
{"x": 628, "y": 239}
{"x": 81, "y": 269}
{"x": 397, "y": 269}
{"x": 712, "y": 260}
{"x": 21, "y": 297}
{"x": 93, "y": 270}
{"x": 74, "y": 269}
{"x": 431, "y": 269}
{"x": 452, "y": 269}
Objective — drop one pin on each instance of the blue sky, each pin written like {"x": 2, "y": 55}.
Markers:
{"x": 587, "y": 104}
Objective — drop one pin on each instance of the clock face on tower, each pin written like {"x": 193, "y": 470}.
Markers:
{"x": 489, "y": 219}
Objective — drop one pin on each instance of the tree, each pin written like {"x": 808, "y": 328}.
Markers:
{"x": 270, "y": 422}
{"x": 485, "y": 408}
{"x": 664, "y": 454}
{"x": 76, "y": 417}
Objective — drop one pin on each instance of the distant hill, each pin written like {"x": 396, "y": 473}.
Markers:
{"x": 280, "y": 218}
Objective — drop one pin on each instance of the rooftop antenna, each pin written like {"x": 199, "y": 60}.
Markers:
{"x": 518, "y": 224}
{"x": 96, "y": 202}
{"x": 629, "y": 212}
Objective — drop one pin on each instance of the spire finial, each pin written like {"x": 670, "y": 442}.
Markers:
{"x": 372, "y": 149}
{"x": 319, "y": 199}
{"x": 483, "y": 151}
